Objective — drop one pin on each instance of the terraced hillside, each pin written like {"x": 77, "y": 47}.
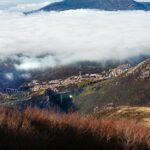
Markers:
{"x": 131, "y": 88}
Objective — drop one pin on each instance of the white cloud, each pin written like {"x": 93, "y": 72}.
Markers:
{"x": 75, "y": 35}
{"x": 25, "y": 76}
{"x": 9, "y": 76}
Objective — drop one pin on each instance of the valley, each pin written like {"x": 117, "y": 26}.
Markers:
{"x": 73, "y": 84}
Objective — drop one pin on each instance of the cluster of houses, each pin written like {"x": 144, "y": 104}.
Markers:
{"x": 55, "y": 85}
{"x": 119, "y": 70}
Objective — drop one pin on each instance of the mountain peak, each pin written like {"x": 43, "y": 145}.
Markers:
{"x": 142, "y": 70}
{"x": 110, "y": 5}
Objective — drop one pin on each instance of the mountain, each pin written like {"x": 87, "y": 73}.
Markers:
{"x": 131, "y": 88}
{"x": 109, "y": 5}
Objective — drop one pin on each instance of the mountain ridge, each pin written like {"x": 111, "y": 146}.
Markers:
{"x": 131, "y": 88}
{"x": 109, "y": 5}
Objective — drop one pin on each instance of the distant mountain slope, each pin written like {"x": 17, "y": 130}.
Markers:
{"x": 110, "y": 5}
{"x": 131, "y": 88}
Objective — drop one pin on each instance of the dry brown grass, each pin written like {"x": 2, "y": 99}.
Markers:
{"x": 44, "y": 130}
{"x": 139, "y": 114}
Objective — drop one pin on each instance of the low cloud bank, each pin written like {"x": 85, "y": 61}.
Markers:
{"x": 57, "y": 38}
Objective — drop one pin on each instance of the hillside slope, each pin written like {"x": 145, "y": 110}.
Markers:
{"x": 139, "y": 114}
{"x": 131, "y": 88}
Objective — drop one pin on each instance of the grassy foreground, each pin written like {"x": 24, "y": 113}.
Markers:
{"x": 43, "y": 130}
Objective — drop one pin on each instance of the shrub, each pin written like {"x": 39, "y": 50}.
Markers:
{"x": 45, "y": 130}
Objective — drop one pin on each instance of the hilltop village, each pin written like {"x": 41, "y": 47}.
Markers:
{"x": 56, "y": 85}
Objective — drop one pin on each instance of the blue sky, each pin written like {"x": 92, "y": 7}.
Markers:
{"x": 23, "y": 4}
